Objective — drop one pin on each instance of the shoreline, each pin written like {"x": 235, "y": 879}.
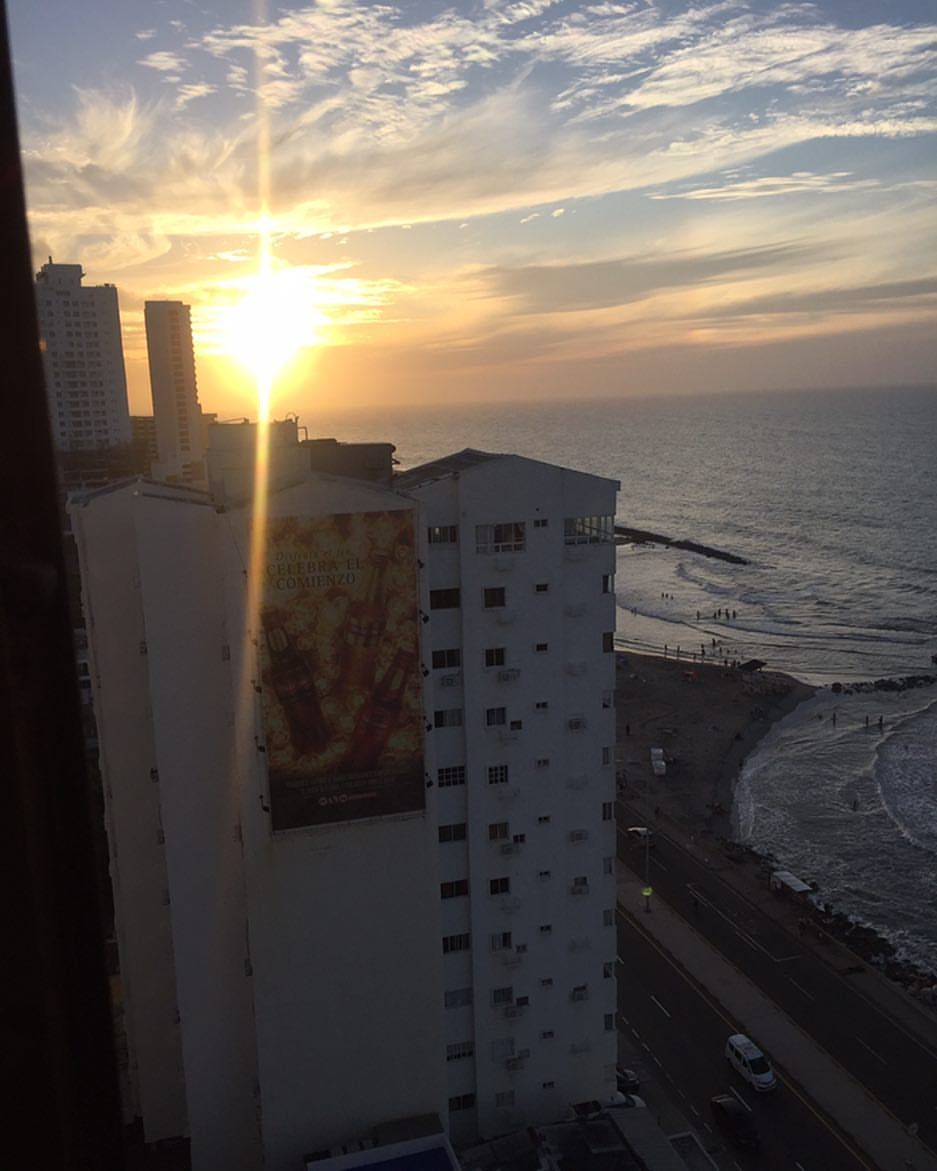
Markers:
{"x": 707, "y": 726}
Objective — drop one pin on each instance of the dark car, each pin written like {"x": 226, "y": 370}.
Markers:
{"x": 734, "y": 1121}
{"x": 628, "y": 1080}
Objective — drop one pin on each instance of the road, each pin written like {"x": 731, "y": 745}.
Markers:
{"x": 893, "y": 1064}
{"x": 683, "y": 1034}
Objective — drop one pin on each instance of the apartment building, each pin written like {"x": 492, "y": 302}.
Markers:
{"x": 83, "y": 358}
{"x": 520, "y": 559}
{"x": 362, "y": 847}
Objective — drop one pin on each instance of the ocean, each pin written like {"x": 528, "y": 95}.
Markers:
{"x": 831, "y": 497}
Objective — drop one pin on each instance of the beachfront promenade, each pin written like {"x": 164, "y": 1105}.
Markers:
{"x": 863, "y": 1055}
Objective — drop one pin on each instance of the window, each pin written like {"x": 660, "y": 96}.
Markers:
{"x": 608, "y": 810}
{"x": 498, "y": 774}
{"x": 444, "y": 599}
{"x": 610, "y": 1022}
{"x": 494, "y": 656}
{"x": 608, "y": 970}
{"x": 541, "y": 523}
{"x": 543, "y": 875}
{"x": 543, "y": 762}
{"x": 456, "y": 943}
{"x": 608, "y": 917}
{"x": 501, "y": 941}
{"x": 462, "y": 1102}
{"x": 589, "y": 530}
{"x": 547, "y": 1085}
{"x": 504, "y": 1098}
{"x": 541, "y": 648}
{"x": 448, "y": 718}
{"x": 542, "y": 587}
{"x": 503, "y": 538}
{"x": 608, "y": 701}
{"x": 502, "y": 996}
{"x": 546, "y": 928}
{"x": 498, "y": 831}
{"x": 608, "y": 583}
{"x": 544, "y": 819}
{"x": 454, "y": 890}
{"x": 546, "y": 982}
{"x": 517, "y": 725}
{"x": 499, "y": 886}
{"x": 523, "y": 1001}
{"x": 447, "y": 659}
{"x": 495, "y": 716}
{"x": 494, "y": 597}
{"x": 541, "y": 705}
{"x": 442, "y": 534}
{"x": 547, "y": 1035}
{"x": 452, "y": 833}
{"x": 608, "y": 864}
{"x": 458, "y": 997}
{"x": 460, "y": 1050}
{"x": 608, "y": 641}
{"x": 451, "y": 775}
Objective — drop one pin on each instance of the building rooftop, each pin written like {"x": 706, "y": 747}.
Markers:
{"x": 448, "y": 465}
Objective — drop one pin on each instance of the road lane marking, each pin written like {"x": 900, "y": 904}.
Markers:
{"x": 660, "y": 1006}
{"x": 734, "y": 1164}
{"x": 708, "y": 999}
{"x": 799, "y": 1167}
{"x": 743, "y": 935}
{"x": 864, "y": 1046}
{"x": 657, "y": 862}
{"x": 735, "y": 1094}
{"x": 695, "y": 1111}
{"x": 801, "y": 988}
{"x": 658, "y": 1060}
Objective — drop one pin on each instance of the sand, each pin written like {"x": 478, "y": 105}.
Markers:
{"x": 707, "y": 719}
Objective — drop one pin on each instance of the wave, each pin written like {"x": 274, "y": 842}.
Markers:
{"x": 904, "y": 777}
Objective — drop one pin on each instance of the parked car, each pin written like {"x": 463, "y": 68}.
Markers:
{"x": 744, "y": 1056}
{"x": 628, "y": 1081}
{"x": 731, "y": 1117}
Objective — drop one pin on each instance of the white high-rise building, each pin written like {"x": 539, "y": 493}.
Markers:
{"x": 173, "y": 385}
{"x": 520, "y": 560}
{"x": 349, "y": 890}
{"x": 83, "y": 356}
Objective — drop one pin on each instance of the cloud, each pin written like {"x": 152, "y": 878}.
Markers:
{"x": 768, "y": 186}
{"x": 188, "y": 93}
{"x": 145, "y": 34}
{"x": 164, "y": 61}
{"x": 572, "y": 287}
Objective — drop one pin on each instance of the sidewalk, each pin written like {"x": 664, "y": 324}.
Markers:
{"x": 873, "y": 1128}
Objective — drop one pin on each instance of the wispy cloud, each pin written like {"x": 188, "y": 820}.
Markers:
{"x": 164, "y": 61}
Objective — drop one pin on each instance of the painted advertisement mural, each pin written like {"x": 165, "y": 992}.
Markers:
{"x": 342, "y": 685}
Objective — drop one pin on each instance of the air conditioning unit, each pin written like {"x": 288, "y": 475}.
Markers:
{"x": 514, "y": 1010}
{"x": 578, "y": 835}
{"x": 579, "y": 994}
{"x": 509, "y": 674}
{"x": 517, "y": 1062}
{"x": 449, "y": 680}
{"x": 579, "y": 888}
{"x": 510, "y": 848}
{"x": 576, "y": 724}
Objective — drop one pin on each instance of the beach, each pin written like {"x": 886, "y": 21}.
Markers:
{"x": 706, "y": 718}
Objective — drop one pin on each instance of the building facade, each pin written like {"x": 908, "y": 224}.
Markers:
{"x": 180, "y": 440}
{"x": 520, "y": 560}
{"x": 299, "y": 965}
{"x": 83, "y": 357}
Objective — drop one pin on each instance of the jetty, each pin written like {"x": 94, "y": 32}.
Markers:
{"x": 625, "y": 536}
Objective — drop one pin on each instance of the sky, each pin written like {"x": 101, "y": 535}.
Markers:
{"x": 499, "y": 199}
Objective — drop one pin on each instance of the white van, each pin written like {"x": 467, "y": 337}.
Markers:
{"x": 748, "y": 1060}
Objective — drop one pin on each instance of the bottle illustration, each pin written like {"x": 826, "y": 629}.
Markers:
{"x": 364, "y": 626}
{"x": 380, "y": 715}
{"x": 293, "y": 681}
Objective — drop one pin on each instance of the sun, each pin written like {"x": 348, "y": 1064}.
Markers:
{"x": 276, "y": 317}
